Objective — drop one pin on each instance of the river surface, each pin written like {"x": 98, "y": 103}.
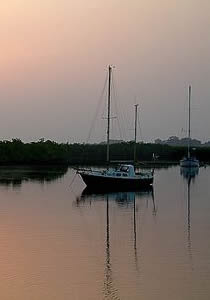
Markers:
{"x": 58, "y": 242}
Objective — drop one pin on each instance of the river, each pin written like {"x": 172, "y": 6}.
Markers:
{"x": 59, "y": 242}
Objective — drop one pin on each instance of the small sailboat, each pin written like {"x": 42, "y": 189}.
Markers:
{"x": 122, "y": 176}
{"x": 189, "y": 161}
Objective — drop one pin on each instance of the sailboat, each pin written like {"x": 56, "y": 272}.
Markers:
{"x": 123, "y": 175}
{"x": 189, "y": 161}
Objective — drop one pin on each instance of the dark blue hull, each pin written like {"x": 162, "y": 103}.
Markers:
{"x": 189, "y": 163}
{"x": 100, "y": 182}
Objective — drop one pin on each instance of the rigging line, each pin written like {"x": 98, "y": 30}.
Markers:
{"x": 185, "y": 110}
{"x": 103, "y": 112}
{"x": 140, "y": 129}
{"x": 71, "y": 183}
{"x": 116, "y": 108}
{"x": 97, "y": 110}
{"x": 125, "y": 121}
{"x": 120, "y": 113}
{"x": 73, "y": 179}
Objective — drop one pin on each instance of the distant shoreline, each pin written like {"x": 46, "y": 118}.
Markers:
{"x": 46, "y": 153}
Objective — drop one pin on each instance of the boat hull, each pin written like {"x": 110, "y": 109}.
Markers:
{"x": 189, "y": 163}
{"x": 113, "y": 183}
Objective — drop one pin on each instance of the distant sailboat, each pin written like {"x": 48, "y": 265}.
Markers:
{"x": 189, "y": 161}
{"x": 122, "y": 176}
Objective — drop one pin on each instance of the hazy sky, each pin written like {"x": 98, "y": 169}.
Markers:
{"x": 54, "y": 58}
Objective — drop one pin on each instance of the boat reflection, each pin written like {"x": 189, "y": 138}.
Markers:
{"x": 189, "y": 172}
{"x": 123, "y": 199}
{"x": 15, "y": 176}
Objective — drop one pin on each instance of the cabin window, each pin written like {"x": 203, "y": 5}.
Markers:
{"x": 125, "y": 175}
{"x": 124, "y": 169}
{"x": 118, "y": 174}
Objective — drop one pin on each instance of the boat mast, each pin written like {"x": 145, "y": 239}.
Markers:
{"x": 135, "y": 132}
{"x": 189, "y": 138}
{"x": 108, "y": 112}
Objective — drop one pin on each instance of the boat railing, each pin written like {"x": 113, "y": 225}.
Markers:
{"x": 83, "y": 169}
{"x": 88, "y": 170}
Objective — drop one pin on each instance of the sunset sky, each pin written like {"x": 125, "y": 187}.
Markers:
{"x": 54, "y": 59}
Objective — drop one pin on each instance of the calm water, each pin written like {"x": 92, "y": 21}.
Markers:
{"x": 59, "y": 243}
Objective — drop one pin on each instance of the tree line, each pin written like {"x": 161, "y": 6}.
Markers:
{"x": 176, "y": 141}
{"x": 50, "y": 152}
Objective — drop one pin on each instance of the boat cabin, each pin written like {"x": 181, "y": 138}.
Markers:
{"x": 122, "y": 170}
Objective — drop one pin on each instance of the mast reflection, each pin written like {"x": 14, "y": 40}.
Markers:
{"x": 110, "y": 292}
{"x": 125, "y": 199}
{"x": 189, "y": 175}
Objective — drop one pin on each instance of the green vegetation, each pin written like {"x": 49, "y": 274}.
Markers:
{"x": 49, "y": 152}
